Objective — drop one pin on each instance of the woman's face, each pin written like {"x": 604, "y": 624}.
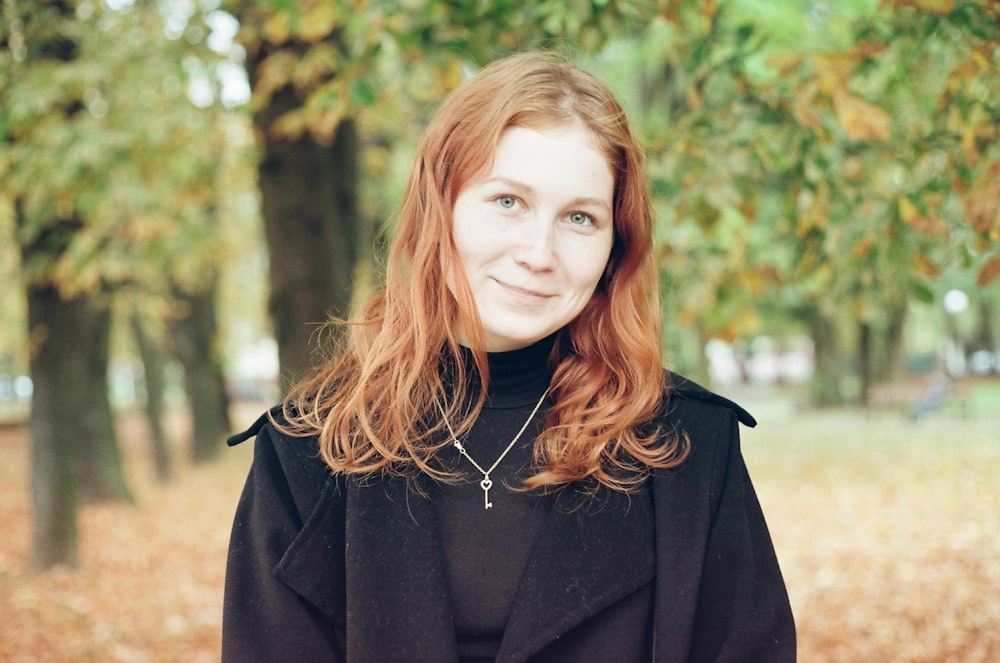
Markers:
{"x": 534, "y": 233}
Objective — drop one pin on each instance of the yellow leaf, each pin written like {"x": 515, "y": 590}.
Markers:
{"x": 969, "y": 148}
{"x": 861, "y": 120}
{"x": 276, "y": 29}
{"x": 823, "y": 274}
{"x": 319, "y": 21}
{"x": 925, "y": 225}
{"x": 745, "y": 323}
{"x": 907, "y": 210}
{"x": 864, "y": 308}
{"x": 862, "y": 248}
{"x": 955, "y": 123}
{"x": 817, "y": 213}
{"x": 274, "y": 73}
{"x": 708, "y": 10}
{"x": 982, "y": 205}
{"x": 324, "y": 124}
{"x": 291, "y": 125}
{"x": 989, "y": 272}
{"x": 687, "y": 318}
{"x": 805, "y": 116}
{"x": 784, "y": 62}
{"x": 832, "y": 71}
{"x": 694, "y": 100}
{"x": 451, "y": 74}
{"x": 940, "y": 7}
{"x": 753, "y": 284}
{"x": 925, "y": 265}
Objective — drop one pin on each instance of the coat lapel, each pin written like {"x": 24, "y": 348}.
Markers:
{"x": 397, "y": 591}
{"x": 586, "y": 559}
{"x": 376, "y": 550}
{"x": 588, "y": 556}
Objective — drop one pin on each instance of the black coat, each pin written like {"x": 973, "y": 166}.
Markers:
{"x": 323, "y": 568}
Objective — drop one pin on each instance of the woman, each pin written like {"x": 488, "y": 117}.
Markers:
{"x": 495, "y": 466}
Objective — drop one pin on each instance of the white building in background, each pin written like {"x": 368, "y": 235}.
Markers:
{"x": 762, "y": 361}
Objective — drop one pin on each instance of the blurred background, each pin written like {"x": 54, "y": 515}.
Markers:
{"x": 189, "y": 188}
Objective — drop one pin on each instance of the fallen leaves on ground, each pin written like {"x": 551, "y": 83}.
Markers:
{"x": 888, "y": 532}
{"x": 149, "y": 585}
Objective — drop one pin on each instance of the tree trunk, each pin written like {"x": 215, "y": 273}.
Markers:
{"x": 56, "y": 366}
{"x": 74, "y": 451}
{"x": 866, "y": 366}
{"x": 73, "y": 445}
{"x": 152, "y": 365}
{"x": 195, "y": 339}
{"x": 309, "y": 201}
{"x": 825, "y": 386}
{"x": 100, "y": 473}
{"x": 895, "y": 345}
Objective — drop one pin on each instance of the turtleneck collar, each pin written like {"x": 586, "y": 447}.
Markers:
{"x": 517, "y": 377}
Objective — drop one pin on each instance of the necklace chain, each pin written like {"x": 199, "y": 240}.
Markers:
{"x": 487, "y": 483}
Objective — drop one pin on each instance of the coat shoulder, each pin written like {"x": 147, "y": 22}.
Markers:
{"x": 294, "y": 461}
{"x": 684, "y": 396}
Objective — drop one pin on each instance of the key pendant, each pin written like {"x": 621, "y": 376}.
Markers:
{"x": 486, "y": 484}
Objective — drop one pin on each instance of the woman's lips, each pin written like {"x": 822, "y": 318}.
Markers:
{"x": 525, "y": 293}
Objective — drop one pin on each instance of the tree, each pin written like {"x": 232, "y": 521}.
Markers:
{"x": 195, "y": 332}
{"x": 105, "y": 175}
{"x": 153, "y": 374}
{"x": 65, "y": 334}
{"x": 821, "y": 176}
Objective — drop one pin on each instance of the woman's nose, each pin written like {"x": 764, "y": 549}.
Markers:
{"x": 535, "y": 247}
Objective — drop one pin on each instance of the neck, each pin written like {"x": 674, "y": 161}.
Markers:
{"x": 517, "y": 377}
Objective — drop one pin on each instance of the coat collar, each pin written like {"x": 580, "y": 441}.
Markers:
{"x": 588, "y": 556}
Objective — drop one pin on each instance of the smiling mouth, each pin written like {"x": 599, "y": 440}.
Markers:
{"x": 522, "y": 292}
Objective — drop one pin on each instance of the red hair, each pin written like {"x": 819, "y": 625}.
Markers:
{"x": 373, "y": 406}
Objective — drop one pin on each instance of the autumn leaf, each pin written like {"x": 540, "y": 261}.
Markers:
{"x": 989, "y": 272}
{"x": 862, "y": 248}
{"x": 817, "y": 214}
{"x": 923, "y": 224}
{"x": 291, "y": 125}
{"x": 277, "y": 29}
{"x": 864, "y": 307}
{"x": 983, "y": 202}
{"x": 860, "y": 120}
{"x": 939, "y": 7}
{"x": 806, "y": 116}
{"x": 742, "y": 324}
{"x": 925, "y": 265}
{"x": 320, "y": 20}
{"x": 754, "y": 283}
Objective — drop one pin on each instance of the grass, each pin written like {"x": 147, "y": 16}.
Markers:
{"x": 888, "y": 532}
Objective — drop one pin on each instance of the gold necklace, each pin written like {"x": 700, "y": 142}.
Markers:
{"x": 487, "y": 483}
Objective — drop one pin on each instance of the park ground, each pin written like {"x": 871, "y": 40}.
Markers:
{"x": 887, "y": 529}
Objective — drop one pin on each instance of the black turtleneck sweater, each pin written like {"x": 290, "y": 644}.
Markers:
{"x": 486, "y": 550}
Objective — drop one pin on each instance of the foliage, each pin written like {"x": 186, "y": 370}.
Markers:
{"x": 801, "y": 153}
{"x": 111, "y": 137}
{"x": 354, "y": 58}
{"x": 848, "y": 168}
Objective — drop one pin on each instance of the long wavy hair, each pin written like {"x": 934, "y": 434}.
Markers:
{"x": 374, "y": 405}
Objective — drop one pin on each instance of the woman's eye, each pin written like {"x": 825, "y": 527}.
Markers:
{"x": 580, "y": 219}
{"x": 507, "y": 202}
